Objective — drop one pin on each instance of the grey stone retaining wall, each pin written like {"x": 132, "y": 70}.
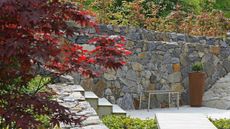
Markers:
{"x": 160, "y": 61}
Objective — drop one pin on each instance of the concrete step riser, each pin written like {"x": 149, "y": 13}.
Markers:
{"x": 104, "y": 110}
{"x": 92, "y": 99}
{"x": 117, "y": 110}
{"x": 104, "y": 107}
{"x": 93, "y": 102}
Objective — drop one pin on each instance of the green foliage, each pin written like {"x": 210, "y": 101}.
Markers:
{"x": 221, "y": 123}
{"x": 192, "y": 17}
{"x": 197, "y": 67}
{"x": 198, "y": 6}
{"x": 191, "y": 5}
{"x": 166, "y": 6}
{"x": 45, "y": 120}
{"x": 36, "y": 84}
{"x": 33, "y": 86}
{"x": 121, "y": 15}
{"x": 223, "y": 5}
{"x": 123, "y": 122}
{"x": 87, "y": 3}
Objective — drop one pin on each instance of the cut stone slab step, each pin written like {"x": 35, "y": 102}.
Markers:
{"x": 90, "y": 95}
{"x": 104, "y": 102}
{"x": 104, "y": 107}
{"x": 92, "y": 99}
{"x": 183, "y": 121}
{"x": 117, "y": 110}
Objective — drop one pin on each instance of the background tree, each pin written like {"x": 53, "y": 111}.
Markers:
{"x": 223, "y": 5}
{"x": 31, "y": 37}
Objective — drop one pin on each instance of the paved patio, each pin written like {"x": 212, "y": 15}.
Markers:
{"x": 209, "y": 112}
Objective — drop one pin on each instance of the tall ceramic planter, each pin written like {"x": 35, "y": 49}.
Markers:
{"x": 196, "y": 88}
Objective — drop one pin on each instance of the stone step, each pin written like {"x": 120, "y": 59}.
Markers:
{"x": 104, "y": 102}
{"x": 104, "y": 107}
{"x": 117, "y": 110}
{"x": 92, "y": 99}
{"x": 90, "y": 95}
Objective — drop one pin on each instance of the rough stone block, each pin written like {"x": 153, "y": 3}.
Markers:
{"x": 175, "y": 77}
{"x": 215, "y": 50}
{"x": 177, "y": 87}
{"x": 137, "y": 66}
{"x": 176, "y": 67}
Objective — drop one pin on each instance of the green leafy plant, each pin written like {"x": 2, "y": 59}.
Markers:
{"x": 197, "y": 67}
{"x": 123, "y": 122}
{"x": 37, "y": 84}
{"x": 221, "y": 123}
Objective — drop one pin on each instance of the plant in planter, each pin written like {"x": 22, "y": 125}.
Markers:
{"x": 196, "y": 84}
{"x": 198, "y": 67}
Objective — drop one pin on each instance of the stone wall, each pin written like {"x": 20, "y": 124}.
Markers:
{"x": 160, "y": 61}
{"x": 68, "y": 96}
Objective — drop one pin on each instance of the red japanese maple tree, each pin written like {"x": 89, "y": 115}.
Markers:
{"x": 31, "y": 34}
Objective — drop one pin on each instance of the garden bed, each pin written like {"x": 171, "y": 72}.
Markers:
{"x": 124, "y": 122}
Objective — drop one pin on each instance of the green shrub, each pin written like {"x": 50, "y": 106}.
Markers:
{"x": 221, "y": 123}
{"x": 123, "y": 122}
{"x": 197, "y": 67}
{"x": 37, "y": 84}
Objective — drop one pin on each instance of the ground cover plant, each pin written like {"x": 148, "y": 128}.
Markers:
{"x": 123, "y": 122}
{"x": 33, "y": 38}
{"x": 221, "y": 123}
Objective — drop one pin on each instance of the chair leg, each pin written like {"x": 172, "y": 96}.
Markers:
{"x": 149, "y": 102}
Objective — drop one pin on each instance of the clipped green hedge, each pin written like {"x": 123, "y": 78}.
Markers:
{"x": 123, "y": 122}
{"x": 221, "y": 123}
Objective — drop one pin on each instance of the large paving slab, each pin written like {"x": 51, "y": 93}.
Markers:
{"x": 183, "y": 121}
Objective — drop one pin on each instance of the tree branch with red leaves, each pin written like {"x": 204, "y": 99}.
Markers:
{"x": 31, "y": 33}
